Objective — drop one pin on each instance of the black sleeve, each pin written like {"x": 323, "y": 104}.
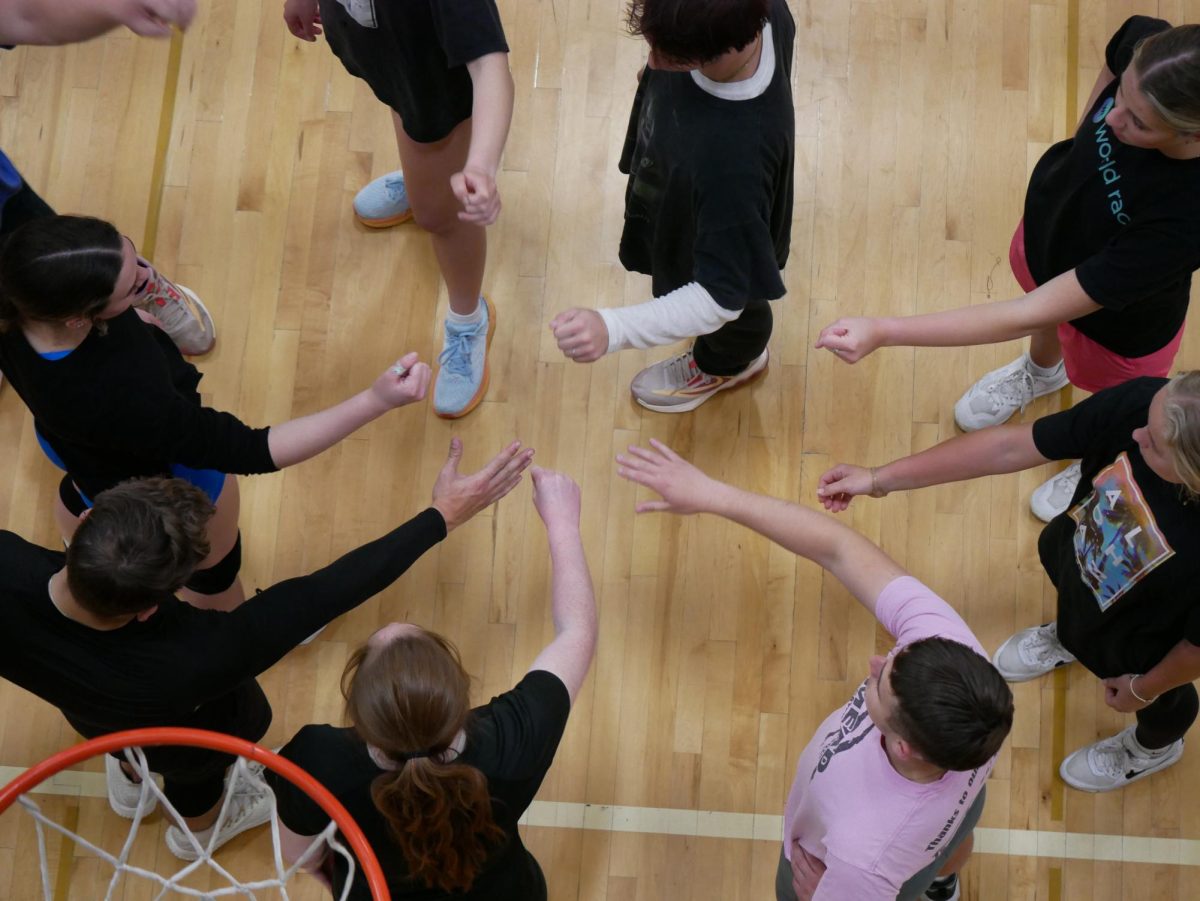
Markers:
{"x": 252, "y": 638}
{"x": 734, "y": 251}
{"x": 1119, "y": 51}
{"x": 297, "y": 811}
{"x": 1103, "y": 417}
{"x": 1144, "y": 258}
{"x": 527, "y": 724}
{"x": 467, "y": 29}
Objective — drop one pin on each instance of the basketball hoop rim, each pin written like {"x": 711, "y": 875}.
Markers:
{"x": 214, "y": 741}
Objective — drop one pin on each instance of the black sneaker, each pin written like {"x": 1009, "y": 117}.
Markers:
{"x": 944, "y": 888}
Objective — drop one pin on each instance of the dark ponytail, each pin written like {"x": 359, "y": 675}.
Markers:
{"x": 57, "y": 267}
{"x": 409, "y": 699}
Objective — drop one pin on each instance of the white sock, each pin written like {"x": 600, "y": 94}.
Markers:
{"x": 467, "y": 318}
{"x": 1041, "y": 372}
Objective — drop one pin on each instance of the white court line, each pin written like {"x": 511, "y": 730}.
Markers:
{"x": 760, "y": 827}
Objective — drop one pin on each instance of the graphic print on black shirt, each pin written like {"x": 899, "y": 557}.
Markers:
{"x": 1117, "y": 539}
{"x": 362, "y": 12}
{"x": 847, "y": 735}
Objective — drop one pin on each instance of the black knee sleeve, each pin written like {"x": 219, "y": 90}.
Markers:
{"x": 221, "y": 576}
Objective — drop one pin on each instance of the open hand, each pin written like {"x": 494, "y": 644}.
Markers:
{"x": 303, "y": 18}
{"x": 476, "y": 190}
{"x": 404, "y": 382}
{"x": 459, "y": 497}
{"x": 839, "y": 485}
{"x": 581, "y": 334}
{"x": 683, "y": 487}
{"x": 851, "y": 339}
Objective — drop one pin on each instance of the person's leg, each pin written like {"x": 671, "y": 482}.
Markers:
{"x": 1044, "y": 348}
{"x": 783, "y": 880}
{"x": 223, "y": 540}
{"x": 736, "y": 344}
{"x": 1168, "y": 719}
{"x": 460, "y": 247}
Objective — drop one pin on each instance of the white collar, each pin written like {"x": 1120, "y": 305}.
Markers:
{"x": 747, "y": 89}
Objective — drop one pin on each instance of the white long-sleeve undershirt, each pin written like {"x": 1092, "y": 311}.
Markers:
{"x": 684, "y": 313}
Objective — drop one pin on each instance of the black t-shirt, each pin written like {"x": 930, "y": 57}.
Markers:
{"x": 124, "y": 405}
{"x": 709, "y": 197}
{"x": 181, "y": 666}
{"x": 414, "y": 53}
{"x": 1127, "y": 220}
{"x": 1123, "y": 557}
{"x": 511, "y": 740}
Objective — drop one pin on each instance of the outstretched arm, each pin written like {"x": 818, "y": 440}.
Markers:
{"x": 1007, "y": 448}
{"x": 857, "y": 563}
{"x": 573, "y": 603}
{"x": 1059, "y": 300}
{"x": 70, "y": 21}
{"x": 299, "y": 439}
{"x": 491, "y": 115}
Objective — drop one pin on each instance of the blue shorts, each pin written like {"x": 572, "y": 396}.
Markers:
{"x": 207, "y": 480}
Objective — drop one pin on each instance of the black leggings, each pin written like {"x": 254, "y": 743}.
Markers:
{"x": 736, "y": 344}
{"x": 1168, "y": 718}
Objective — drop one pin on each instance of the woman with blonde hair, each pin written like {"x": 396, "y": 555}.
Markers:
{"x": 438, "y": 786}
{"x": 1122, "y": 557}
{"x": 1105, "y": 250}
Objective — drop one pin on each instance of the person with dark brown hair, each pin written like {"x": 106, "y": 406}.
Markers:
{"x": 438, "y": 786}
{"x": 888, "y": 790}
{"x": 103, "y": 637}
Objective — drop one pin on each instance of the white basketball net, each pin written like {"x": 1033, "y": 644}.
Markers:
{"x": 244, "y": 777}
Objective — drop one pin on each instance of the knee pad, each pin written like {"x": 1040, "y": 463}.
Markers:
{"x": 221, "y": 575}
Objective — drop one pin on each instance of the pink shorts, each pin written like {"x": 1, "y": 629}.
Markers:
{"x": 1089, "y": 365}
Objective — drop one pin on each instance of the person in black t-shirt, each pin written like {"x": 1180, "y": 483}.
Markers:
{"x": 103, "y": 638}
{"x": 1123, "y": 557}
{"x": 113, "y": 399}
{"x": 1106, "y": 249}
{"x": 441, "y": 66}
{"x": 708, "y": 207}
{"x": 436, "y": 787}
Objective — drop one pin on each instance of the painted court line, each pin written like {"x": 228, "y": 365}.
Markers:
{"x": 759, "y": 827}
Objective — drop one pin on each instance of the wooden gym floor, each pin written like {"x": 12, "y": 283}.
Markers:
{"x": 231, "y": 157}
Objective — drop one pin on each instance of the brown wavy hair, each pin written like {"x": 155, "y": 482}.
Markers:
{"x": 142, "y": 540}
{"x": 1168, "y": 64}
{"x": 412, "y": 697}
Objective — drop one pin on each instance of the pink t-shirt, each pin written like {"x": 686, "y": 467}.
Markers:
{"x": 849, "y": 812}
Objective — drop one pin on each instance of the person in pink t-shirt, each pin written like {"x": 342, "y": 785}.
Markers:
{"x": 889, "y": 789}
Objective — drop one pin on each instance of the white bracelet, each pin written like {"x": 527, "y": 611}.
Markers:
{"x": 1133, "y": 692}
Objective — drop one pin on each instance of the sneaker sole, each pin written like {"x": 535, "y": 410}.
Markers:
{"x": 205, "y": 318}
{"x": 1171, "y": 759}
{"x": 477, "y": 399}
{"x": 697, "y": 401}
{"x": 383, "y": 223}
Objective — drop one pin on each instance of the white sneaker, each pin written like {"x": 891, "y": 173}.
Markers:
{"x": 1002, "y": 392}
{"x": 1031, "y": 653}
{"x": 677, "y": 384}
{"x": 1115, "y": 762}
{"x": 1053, "y": 496}
{"x": 249, "y": 807}
{"x": 123, "y": 792}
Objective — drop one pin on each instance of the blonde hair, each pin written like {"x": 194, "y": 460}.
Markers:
{"x": 1181, "y": 411}
{"x": 1168, "y": 65}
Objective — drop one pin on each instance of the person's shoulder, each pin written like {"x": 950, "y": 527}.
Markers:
{"x": 320, "y": 746}
{"x": 1132, "y": 32}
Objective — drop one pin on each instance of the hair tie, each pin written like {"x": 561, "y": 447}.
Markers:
{"x": 415, "y": 755}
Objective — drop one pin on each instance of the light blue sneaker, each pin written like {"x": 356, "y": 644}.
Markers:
{"x": 384, "y": 202}
{"x": 462, "y": 379}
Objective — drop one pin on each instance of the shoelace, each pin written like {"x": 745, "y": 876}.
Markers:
{"x": 395, "y": 188}
{"x": 1040, "y": 647}
{"x": 1111, "y": 758}
{"x": 456, "y": 355}
{"x": 1014, "y": 388}
{"x": 682, "y": 369}
{"x": 1064, "y": 484}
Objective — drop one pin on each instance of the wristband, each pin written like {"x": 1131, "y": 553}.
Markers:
{"x": 876, "y": 491}
{"x": 1133, "y": 692}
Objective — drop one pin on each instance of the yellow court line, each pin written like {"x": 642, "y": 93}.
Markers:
{"x": 1055, "y": 893}
{"x": 166, "y": 118}
{"x": 1058, "y": 742}
{"x": 1072, "y": 65}
{"x": 62, "y": 876}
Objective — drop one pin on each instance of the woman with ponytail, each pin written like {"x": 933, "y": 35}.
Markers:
{"x": 113, "y": 399}
{"x": 437, "y": 786}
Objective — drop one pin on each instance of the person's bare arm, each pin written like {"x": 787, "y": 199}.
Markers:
{"x": 70, "y": 21}
{"x": 854, "y": 561}
{"x": 573, "y": 600}
{"x": 491, "y": 115}
{"x": 1007, "y": 448}
{"x": 1059, "y": 300}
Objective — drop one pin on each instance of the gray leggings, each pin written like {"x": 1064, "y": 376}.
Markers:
{"x": 914, "y": 887}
